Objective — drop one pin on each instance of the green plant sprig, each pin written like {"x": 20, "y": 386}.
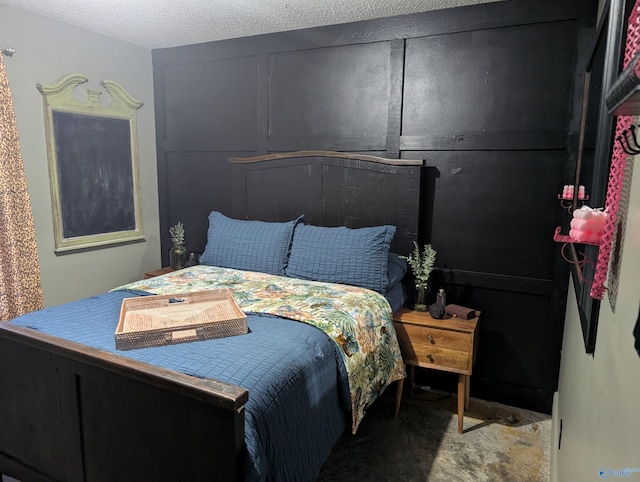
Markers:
{"x": 421, "y": 263}
{"x": 177, "y": 234}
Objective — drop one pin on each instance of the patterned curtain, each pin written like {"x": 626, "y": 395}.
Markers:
{"x": 20, "y": 289}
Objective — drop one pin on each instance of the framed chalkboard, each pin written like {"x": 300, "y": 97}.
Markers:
{"x": 93, "y": 164}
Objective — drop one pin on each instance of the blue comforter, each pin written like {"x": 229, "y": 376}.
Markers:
{"x": 298, "y": 390}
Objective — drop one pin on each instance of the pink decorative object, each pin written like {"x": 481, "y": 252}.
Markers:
{"x": 568, "y": 192}
{"x": 581, "y": 192}
{"x": 579, "y": 263}
{"x": 561, "y": 238}
{"x": 587, "y": 225}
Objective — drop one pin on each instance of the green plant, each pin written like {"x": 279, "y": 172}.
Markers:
{"x": 421, "y": 262}
{"x": 177, "y": 234}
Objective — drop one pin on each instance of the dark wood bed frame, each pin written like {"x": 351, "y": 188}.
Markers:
{"x": 73, "y": 413}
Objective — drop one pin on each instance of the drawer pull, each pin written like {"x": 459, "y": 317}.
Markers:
{"x": 430, "y": 357}
{"x": 430, "y": 338}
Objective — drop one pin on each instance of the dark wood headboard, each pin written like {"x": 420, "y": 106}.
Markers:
{"x": 331, "y": 189}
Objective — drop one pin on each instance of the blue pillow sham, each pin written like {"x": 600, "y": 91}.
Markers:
{"x": 395, "y": 297}
{"x": 398, "y": 267}
{"x": 248, "y": 245}
{"x": 358, "y": 257}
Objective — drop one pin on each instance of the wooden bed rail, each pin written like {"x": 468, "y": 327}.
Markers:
{"x": 74, "y": 413}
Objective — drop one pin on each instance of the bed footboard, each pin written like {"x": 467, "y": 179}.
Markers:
{"x": 73, "y": 413}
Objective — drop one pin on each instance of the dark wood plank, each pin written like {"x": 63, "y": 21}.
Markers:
{"x": 461, "y": 140}
{"x": 339, "y": 92}
{"x": 510, "y": 103}
{"x": 331, "y": 189}
{"x": 223, "y": 92}
{"x": 394, "y": 119}
{"x": 205, "y": 176}
{"x": 71, "y": 412}
{"x": 495, "y": 212}
{"x": 328, "y": 142}
{"x": 163, "y": 179}
{"x": 517, "y": 334}
{"x": 173, "y": 437}
{"x": 514, "y": 284}
{"x": 262, "y": 103}
{"x": 40, "y": 430}
{"x": 217, "y": 393}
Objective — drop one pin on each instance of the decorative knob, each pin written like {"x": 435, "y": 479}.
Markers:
{"x": 430, "y": 357}
{"x": 430, "y": 338}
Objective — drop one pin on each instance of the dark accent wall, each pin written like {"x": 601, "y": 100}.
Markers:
{"x": 488, "y": 95}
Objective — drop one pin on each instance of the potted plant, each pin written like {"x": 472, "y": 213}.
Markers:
{"x": 178, "y": 252}
{"x": 421, "y": 264}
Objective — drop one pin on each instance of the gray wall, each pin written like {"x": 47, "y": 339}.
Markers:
{"x": 46, "y": 50}
{"x": 597, "y": 399}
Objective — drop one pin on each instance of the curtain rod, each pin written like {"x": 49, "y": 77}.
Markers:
{"x": 7, "y": 51}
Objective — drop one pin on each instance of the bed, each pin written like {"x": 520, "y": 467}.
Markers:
{"x": 268, "y": 405}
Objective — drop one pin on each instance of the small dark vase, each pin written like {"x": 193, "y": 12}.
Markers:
{"x": 192, "y": 261}
{"x": 437, "y": 309}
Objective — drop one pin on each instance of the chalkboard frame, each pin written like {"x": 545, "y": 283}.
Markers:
{"x": 92, "y": 153}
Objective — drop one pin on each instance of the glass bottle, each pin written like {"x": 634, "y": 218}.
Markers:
{"x": 177, "y": 256}
{"x": 437, "y": 309}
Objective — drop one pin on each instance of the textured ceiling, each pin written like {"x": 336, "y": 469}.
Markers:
{"x": 169, "y": 23}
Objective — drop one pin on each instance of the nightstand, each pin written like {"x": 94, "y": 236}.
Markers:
{"x": 158, "y": 272}
{"x": 447, "y": 345}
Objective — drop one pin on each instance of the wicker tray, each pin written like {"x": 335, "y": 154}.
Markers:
{"x": 168, "y": 319}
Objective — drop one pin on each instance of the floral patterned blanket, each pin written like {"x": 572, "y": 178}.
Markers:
{"x": 357, "y": 319}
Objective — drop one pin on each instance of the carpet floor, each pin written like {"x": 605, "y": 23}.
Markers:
{"x": 499, "y": 443}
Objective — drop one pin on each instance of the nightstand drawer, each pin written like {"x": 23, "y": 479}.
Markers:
{"x": 430, "y": 356}
{"x": 435, "y": 337}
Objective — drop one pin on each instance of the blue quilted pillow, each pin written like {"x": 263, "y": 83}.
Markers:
{"x": 356, "y": 257}
{"x": 248, "y": 245}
